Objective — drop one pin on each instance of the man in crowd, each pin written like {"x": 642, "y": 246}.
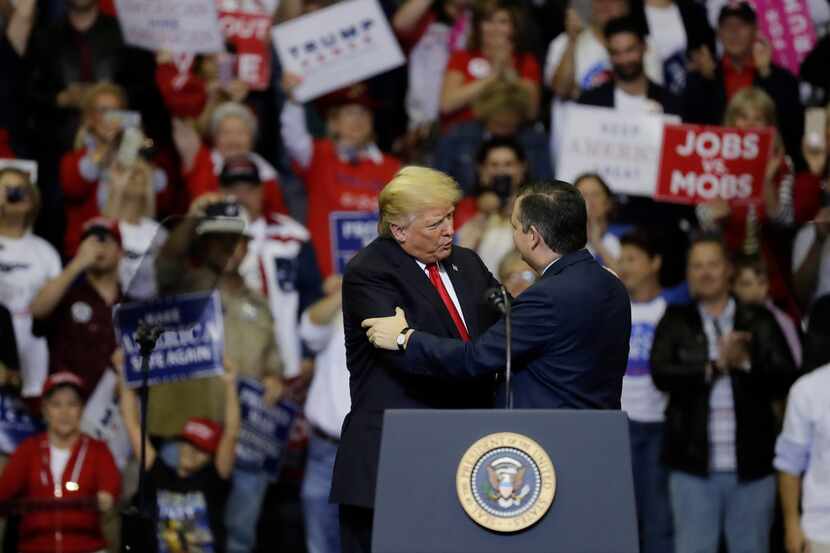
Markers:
{"x": 570, "y": 329}
{"x": 746, "y": 61}
{"x": 629, "y": 89}
{"x": 801, "y": 459}
{"x": 811, "y": 259}
{"x": 414, "y": 265}
{"x": 639, "y": 268}
{"x": 326, "y": 407}
{"x": 74, "y": 310}
{"x": 723, "y": 364}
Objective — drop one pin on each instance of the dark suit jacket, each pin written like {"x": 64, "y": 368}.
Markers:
{"x": 378, "y": 279}
{"x": 570, "y": 341}
{"x": 603, "y": 96}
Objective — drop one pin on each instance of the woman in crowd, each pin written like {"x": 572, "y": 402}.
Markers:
{"x": 132, "y": 202}
{"x": 515, "y": 274}
{"x": 232, "y": 131}
{"x": 495, "y": 52}
{"x": 788, "y": 200}
{"x": 432, "y": 31}
{"x": 27, "y": 262}
{"x": 86, "y": 171}
{"x": 62, "y": 479}
{"x": 599, "y": 200}
{"x": 483, "y": 220}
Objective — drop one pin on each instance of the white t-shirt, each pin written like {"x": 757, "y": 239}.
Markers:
{"x": 137, "y": 272}
{"x": 496, "y": 242}
{"x": 630, "y": 103}
{"x": 26, "y": 264}
{"x": 801, "y": 247}
{"x": 668, "y": 36}
{"x": 58, "y": 458}
{"x": 804, "y": 447}
{"x": 640, "y": 398}
{"x": 328, "y": 399}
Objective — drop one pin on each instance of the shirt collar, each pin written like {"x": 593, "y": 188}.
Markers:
{"x": 370, "y": 152}
{"x": 727, "y": 315}
{"x": 545, "y": 270}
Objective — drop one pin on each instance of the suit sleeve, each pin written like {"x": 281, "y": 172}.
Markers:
{"x": 368, "y": 294}
{"x": 533, "y": 327}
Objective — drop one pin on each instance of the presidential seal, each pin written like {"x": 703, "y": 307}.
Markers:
{"x": 506, "y": 482}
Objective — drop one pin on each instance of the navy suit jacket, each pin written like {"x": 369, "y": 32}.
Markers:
{"x": 570, "y": 341}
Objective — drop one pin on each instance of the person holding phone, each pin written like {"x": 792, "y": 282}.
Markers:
{"x": 483, "y": 220}
{"x": 74, "y": 309}
{"x": 109, "y": 142}
{"x": 27, "y": 262}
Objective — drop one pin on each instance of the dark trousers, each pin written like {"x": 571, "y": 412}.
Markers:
{"x": 356, "y": 529}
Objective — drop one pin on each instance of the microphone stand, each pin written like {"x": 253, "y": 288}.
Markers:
{"x": 508, "y": 338}
{"x": 142, "y": 533}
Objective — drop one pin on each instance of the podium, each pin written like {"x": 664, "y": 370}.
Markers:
{"x": 417, "y": 505}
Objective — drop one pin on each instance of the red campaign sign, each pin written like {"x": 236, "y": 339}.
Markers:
{"x": 248, "y": 32}
{"x": 702, "y": 163}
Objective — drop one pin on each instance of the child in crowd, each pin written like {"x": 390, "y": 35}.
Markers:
{"x": 61, "y": 479}
{"x": 188, "y": 500}
{"x": 752, "y": 285}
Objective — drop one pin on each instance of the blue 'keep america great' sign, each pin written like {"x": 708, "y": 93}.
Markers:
{"x": 264, "y": 430}
{"x": 191, "y": 346}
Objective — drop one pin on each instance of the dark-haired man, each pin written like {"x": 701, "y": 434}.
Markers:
{"x": 722, "y": 364}
{"x": 570, "y": 329}
{"x": 629, "y": 89}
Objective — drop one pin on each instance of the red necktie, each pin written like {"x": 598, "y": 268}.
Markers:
{"x": 435, "y": 278}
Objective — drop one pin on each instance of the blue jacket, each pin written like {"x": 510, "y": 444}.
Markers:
{"x": 570, "y": 341}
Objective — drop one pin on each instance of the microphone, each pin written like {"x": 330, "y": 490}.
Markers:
{"x": 495, "y": 298}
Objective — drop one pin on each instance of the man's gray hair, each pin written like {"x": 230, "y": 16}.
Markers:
{"x": 233, "y": 109}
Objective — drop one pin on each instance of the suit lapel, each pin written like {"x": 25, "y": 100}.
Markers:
{"x": 466, "y": 295}
{"x": 417, "y": 279}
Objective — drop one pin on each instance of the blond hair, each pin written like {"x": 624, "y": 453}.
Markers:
{"x": 502, "y": 96}
{"x": 754, "y": 98}
{"x": 88, "y": 106}
{"x": 411, "y": 190}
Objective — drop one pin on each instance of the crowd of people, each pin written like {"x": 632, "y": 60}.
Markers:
{"x": 728, "y": 382}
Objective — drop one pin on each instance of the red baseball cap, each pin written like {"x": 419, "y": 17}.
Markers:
{"x": 62, "y": 378}
{"x": 203, "y": 434}
{"x": 100, "y": 226}
{"x": 355, "y": 94}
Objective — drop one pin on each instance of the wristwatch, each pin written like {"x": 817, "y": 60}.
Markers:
{"x": 401, "y": 339}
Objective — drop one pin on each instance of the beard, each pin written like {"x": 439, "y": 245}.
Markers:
{"x": 628, "y": 72}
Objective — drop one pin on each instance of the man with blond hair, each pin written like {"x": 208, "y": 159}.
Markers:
{"x": 414, "y": 265}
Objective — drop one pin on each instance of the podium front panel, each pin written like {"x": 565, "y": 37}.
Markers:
{"x": 417, "y": 509}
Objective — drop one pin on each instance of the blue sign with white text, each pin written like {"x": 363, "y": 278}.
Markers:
{"x": 191, "y": 346}
{"x": 351, "y": 231}
{"x": 264, "y": 431}
{"x": 16, "y": 424}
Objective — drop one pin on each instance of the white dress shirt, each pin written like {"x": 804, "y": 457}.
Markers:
{"x": 445, "y": 278}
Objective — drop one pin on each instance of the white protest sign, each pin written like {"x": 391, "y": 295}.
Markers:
{"x": 176, "y": 26}
{"x": 25, "y": 165}
{"x": 622, "y": 148}
{"x": 337, "y": 46}
{"x": 102, "y": 419}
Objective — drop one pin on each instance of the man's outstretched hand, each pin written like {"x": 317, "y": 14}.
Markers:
{"x": 383, "y": 332}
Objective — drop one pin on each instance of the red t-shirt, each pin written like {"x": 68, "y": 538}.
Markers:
{"x": 474, "y": 66}
{"x": 71, "y": 529}
{"x": 335, "y": 186}
{"x": 735, "y": 79}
